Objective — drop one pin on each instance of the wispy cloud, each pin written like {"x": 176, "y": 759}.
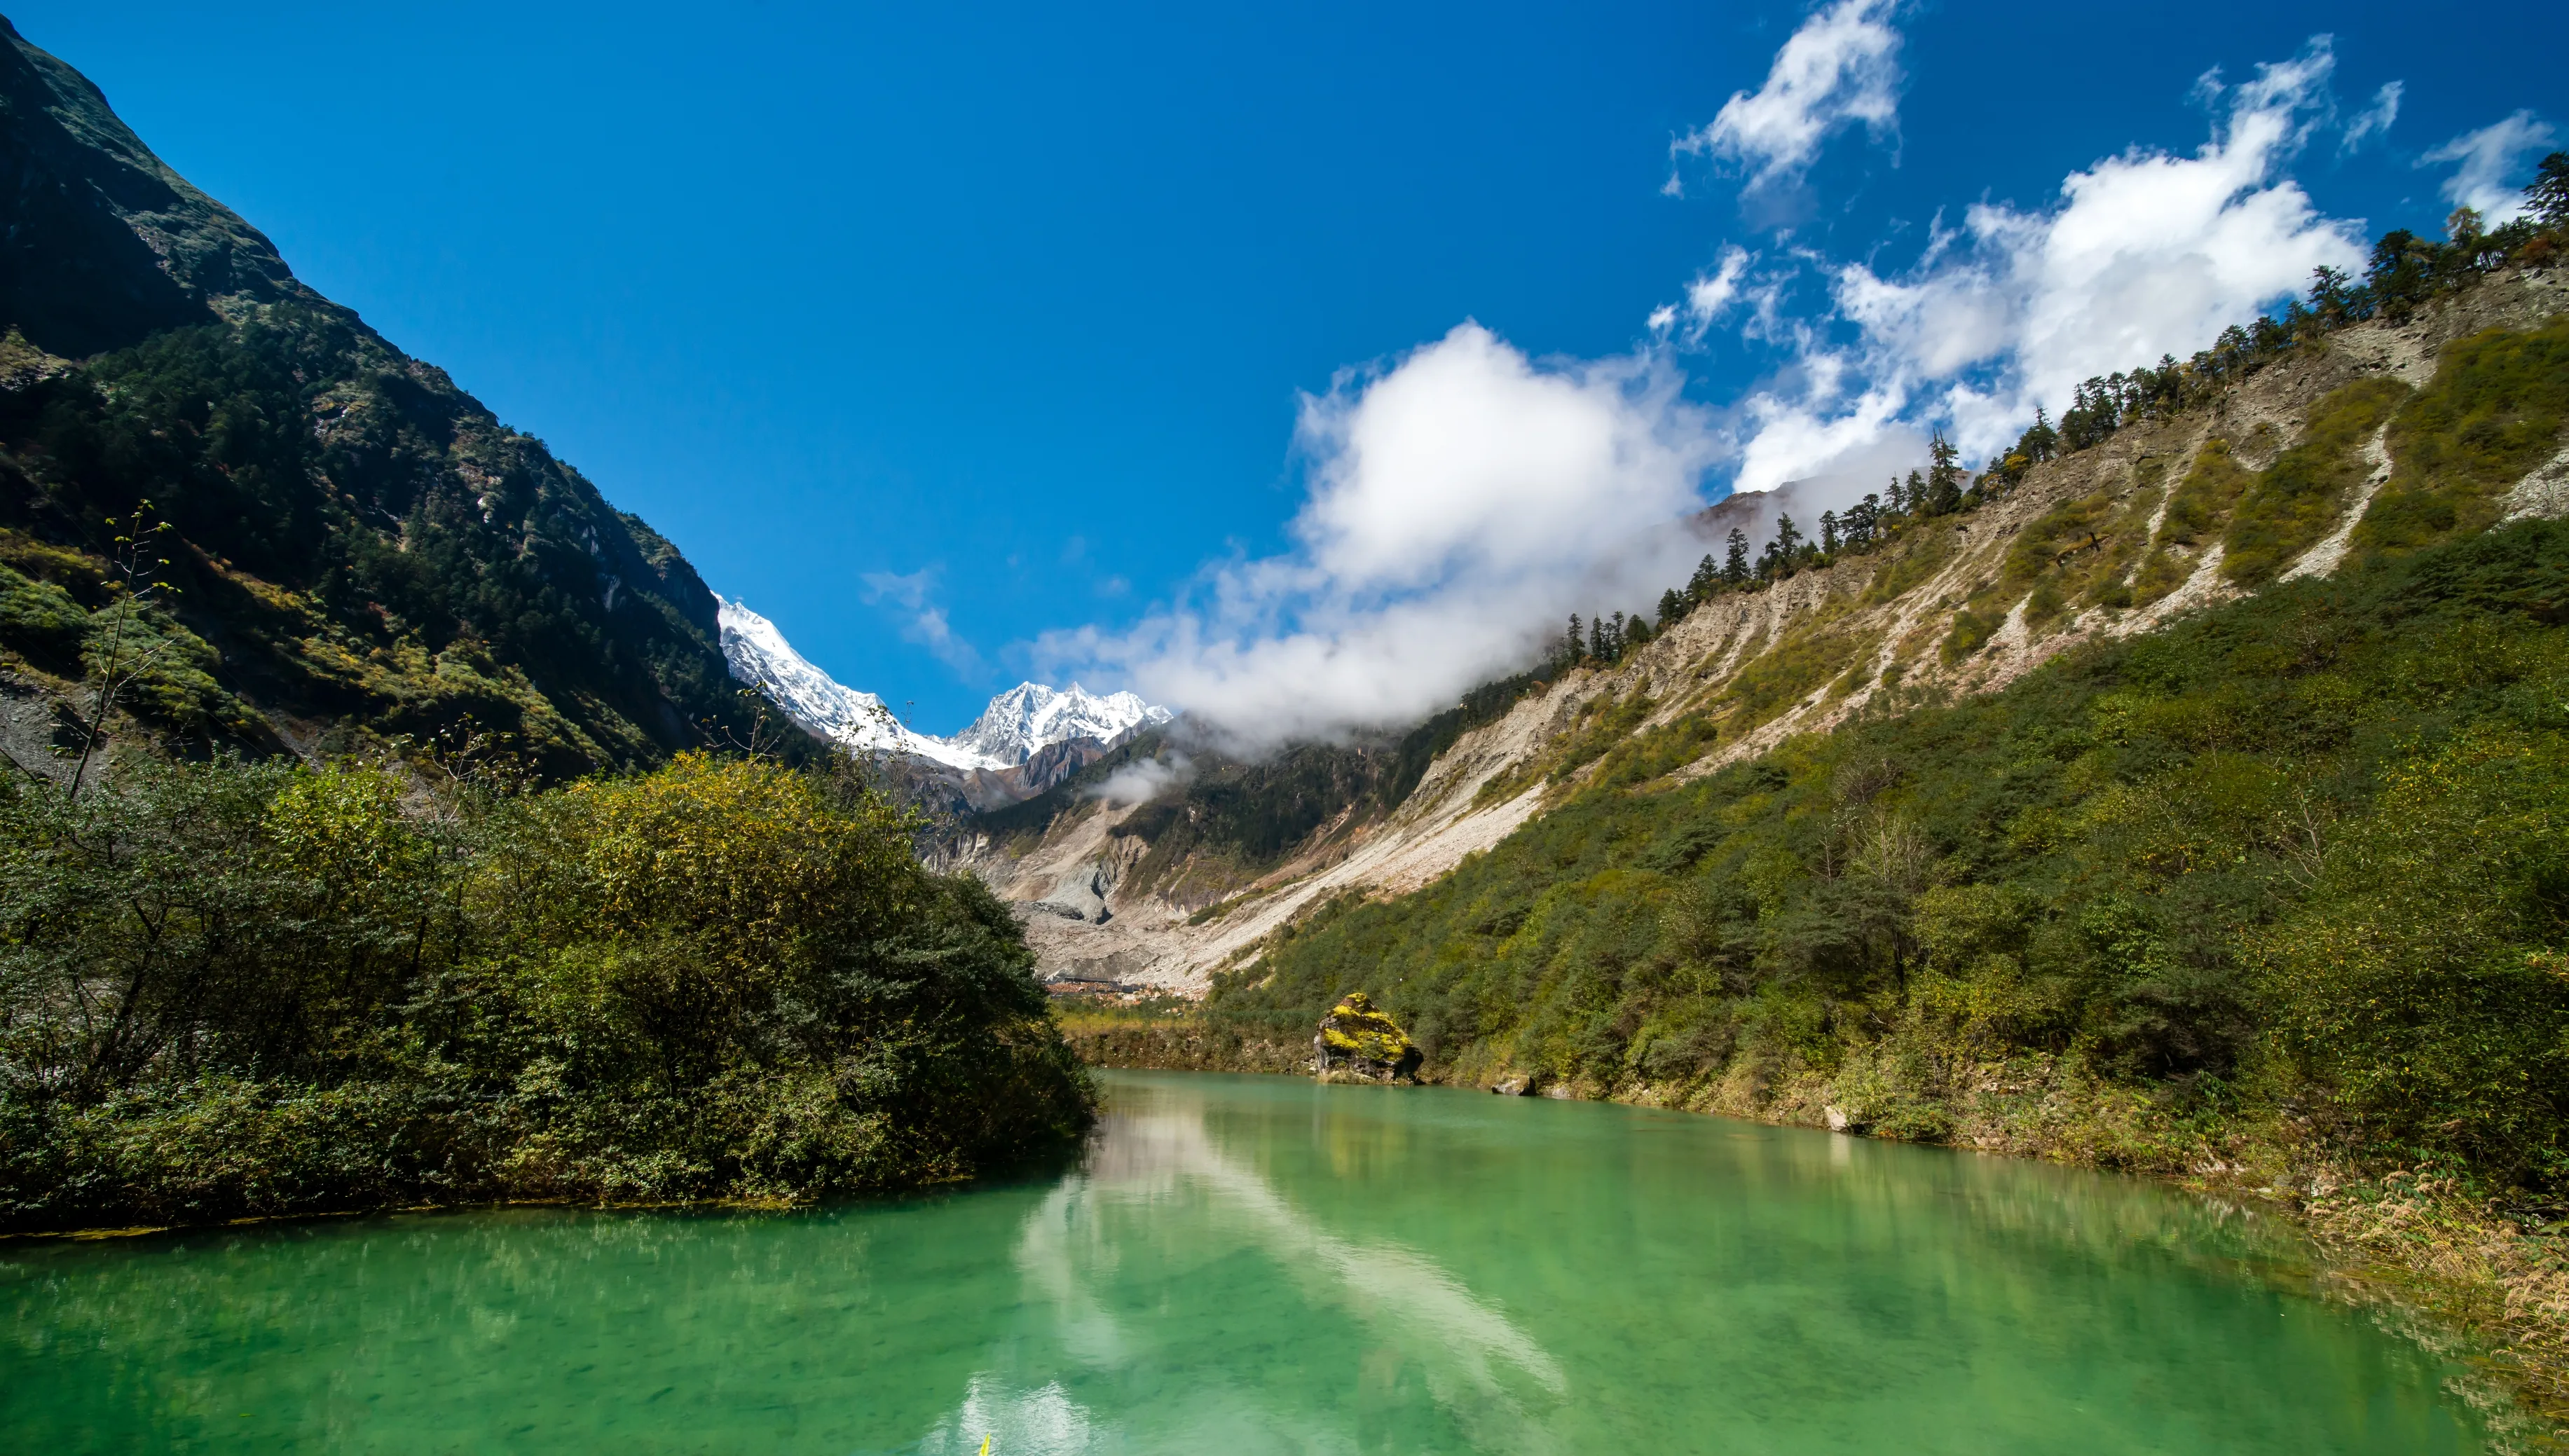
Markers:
{"x": 2486, "y": 181}
{"x": 922, "y": 621}
{"x": 2374, "y": 120}
{"x": 1841, "y": 68}
{"x": 1143, "y": 781}
{"x": 1708, "y": 296}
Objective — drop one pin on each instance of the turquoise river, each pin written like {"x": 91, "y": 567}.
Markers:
{"x": 1244, "y": 1264}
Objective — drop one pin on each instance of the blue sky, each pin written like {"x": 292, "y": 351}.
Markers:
{"x": 1022, "y": 325}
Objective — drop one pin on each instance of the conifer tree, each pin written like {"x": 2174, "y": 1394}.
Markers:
{"x": 1736, "y": 569}
{"x": 1673, "y": 606}
{"x": 1944, "y": 477}
{"x": 1573, "y": 646}
{"x": 1706, "y": 578}
{"x": 2546, "y": 202}
{"x": 1828, "y": 532}
{"x": 1597, "y": 641}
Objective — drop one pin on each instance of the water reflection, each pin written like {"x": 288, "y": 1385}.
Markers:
{"x": 1489, "y": 1375}
{"x": 1253, "y": 1265}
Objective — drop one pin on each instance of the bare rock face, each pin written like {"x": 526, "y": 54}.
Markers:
{"x": 1079, "y": 894}
{"x": 1357, "y": 1042}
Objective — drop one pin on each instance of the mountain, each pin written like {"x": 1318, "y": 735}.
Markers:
{"x": 2382, "y": 435}
{"x": 1030, "y": 717}
{"x": 1027, "y": 740}
{"x": 760, "y": 656}
{"x": 358, "y": 553}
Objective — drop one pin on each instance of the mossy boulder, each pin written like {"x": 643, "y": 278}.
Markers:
{"x": 1358, "y": 1039}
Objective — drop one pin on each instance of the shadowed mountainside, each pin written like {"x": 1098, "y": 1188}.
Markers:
{"x": 357, "y": 549}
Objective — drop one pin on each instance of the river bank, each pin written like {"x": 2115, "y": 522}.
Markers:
{"x": 2411, "y": 1242}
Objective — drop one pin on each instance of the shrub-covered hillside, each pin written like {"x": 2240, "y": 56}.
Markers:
{"x": 2309, "y": 851}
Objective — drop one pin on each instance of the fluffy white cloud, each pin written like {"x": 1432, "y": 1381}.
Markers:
{"x": 2143, "y": 254}
{"x": 1464, "y": 499}
{"x": 1460, "y": 502}
{"x": 2485, "y": 180}
{"x": 1841, "y": 67}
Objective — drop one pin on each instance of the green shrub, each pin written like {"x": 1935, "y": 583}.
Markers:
{"x": 231, "y": 989}
{"x": 2306, "y": 844}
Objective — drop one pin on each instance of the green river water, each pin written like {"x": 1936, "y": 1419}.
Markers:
{"x": 1249, "y": 1264}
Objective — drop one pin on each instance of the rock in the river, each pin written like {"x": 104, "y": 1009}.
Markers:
{"x": 1357, "y": 1042}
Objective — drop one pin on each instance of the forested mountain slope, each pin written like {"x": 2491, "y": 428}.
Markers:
{"x": 356, "y": 549}
{"x": 2377, "y": 436}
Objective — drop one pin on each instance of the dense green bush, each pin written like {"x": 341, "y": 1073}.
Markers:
{"x": 2307, "y": 848}
{"x": 233, "y": 989}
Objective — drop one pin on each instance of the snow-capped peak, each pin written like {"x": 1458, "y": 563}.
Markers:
{"x": 760, "y": 656}
{"x": 1018, "y": 722}
{"x": 1032, "y": 716}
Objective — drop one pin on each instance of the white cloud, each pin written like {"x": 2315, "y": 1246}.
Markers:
{"x": 2143, "y": 254}
{"x": 1144, "y": 781}
{"x": 1466, "y": 498}
{"x": 1707, "y": 297}
{"x": 2374, "y": 120}
{"x": 2485, "y": 180}
{"x": 1841, "y": 67}
{"x": 1460, "y": 502}
{"x": 922, "y": 621}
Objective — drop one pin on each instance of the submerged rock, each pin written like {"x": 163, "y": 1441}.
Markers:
{"x": 1357, "y": 1042}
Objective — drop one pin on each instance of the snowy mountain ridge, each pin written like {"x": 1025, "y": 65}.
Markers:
{"x": 1031, "y": 716}
{"x": 1018, "y": 724}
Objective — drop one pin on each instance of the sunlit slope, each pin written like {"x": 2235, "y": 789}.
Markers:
{"x": 2379, "y": 439}
{"x": 2225, "y": 766}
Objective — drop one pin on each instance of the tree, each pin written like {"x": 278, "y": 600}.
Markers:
{"x": 1706, "y": 578}
{"x": 1637, "y": 630}
{"x": 1615, "y": 640}
{"x": 2041, "y": 442}
{"x": 1861, "y": 520}
{"x": 1944, "y": 476}
{"x": 1598, "y": 649}
{"x": 1573, "y": 646}
{"x": 2402, "y": 274}
{"x": 132, "y": 646}
{"x": 2546, "y": 200}
{"x": 1736, "y": 569}
{"x": 1673, "y": 606}
{"x": 2336, "y": 298}
{"x": 1788, "y": 542}
{"x": 1828, "y": 532}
